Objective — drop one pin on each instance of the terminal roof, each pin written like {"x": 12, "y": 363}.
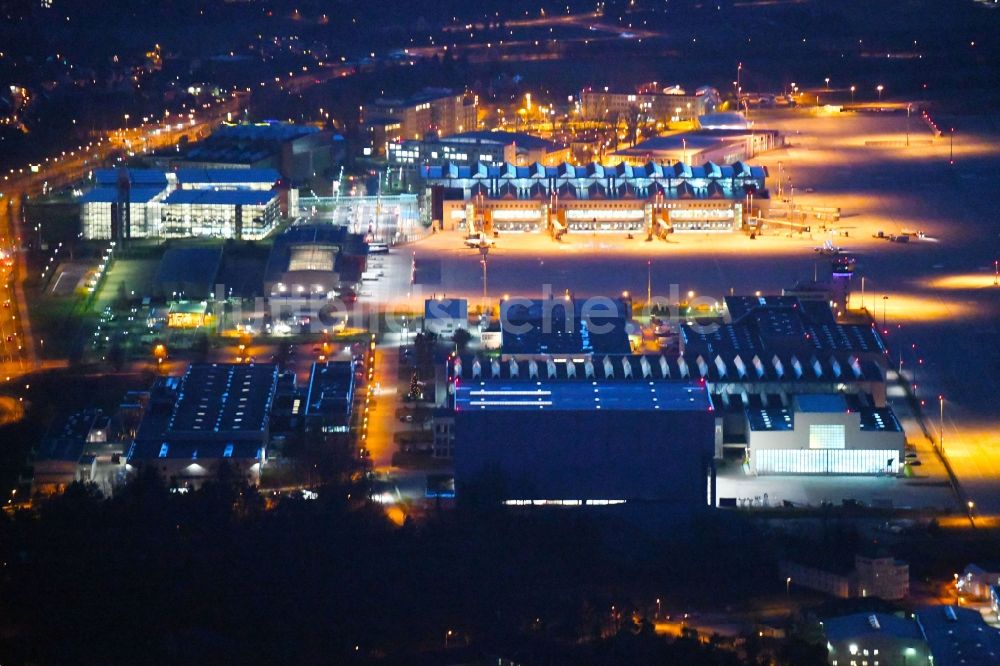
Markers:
{"x": 621, "y": 395}
{"x": 782, "y": 367}
{"x": 594, "y": 170}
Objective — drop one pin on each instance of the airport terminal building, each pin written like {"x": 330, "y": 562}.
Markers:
{"x": 651, "y": 198}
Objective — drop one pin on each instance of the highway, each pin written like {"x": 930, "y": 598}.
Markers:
{"x": 18, "y": 353}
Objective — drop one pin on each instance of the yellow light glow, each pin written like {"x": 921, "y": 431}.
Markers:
{"x": 963, "y": 281}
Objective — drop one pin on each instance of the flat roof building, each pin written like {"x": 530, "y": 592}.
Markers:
{"x": 300, "y": 153}
{"x": 187, "y": 272}
{"x": 443, "y": 316}
{"x": 482, "y": 146}
{"x": 314, "y": 260}
{"x": 959, "y": 636}
{"x": 564, "y": 327}
{"x": 581, "y": 432}
{"x": 216, "y": 413}
{"x": 150, "y": 203}
{"x": 79, "y": 450}
{"x": 330, "y": 397}
{"x": 892, "y": 640}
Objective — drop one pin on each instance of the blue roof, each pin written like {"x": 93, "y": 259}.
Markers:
{"x": 135, "y": 176}
{"x": 110, "y": 194}
{"x": 504, "y": 138}
{"x": 272, "y": 130}
{"x": 222, "y": 197}
{"x": 446, "y": 308}
{"x": 227, "y": 176}
{"x": 827, "y": 403}
{"x": 848, "y": 627}
{"x": 959, "y": 636}
{"x": 569, "y": 395}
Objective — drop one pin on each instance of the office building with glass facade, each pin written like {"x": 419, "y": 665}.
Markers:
{"x": 148, "y": 203}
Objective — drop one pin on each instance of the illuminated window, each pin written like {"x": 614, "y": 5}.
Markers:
{"x": 827, "y": 436}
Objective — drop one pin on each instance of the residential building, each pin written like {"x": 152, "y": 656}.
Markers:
{"x": 438, "y": 111}
{"x": 650, "y": 102}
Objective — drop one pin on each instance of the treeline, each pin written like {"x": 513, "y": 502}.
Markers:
{"x": 226, "y": 575}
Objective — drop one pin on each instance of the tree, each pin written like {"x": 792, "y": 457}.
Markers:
{"x": 461, "y": 338}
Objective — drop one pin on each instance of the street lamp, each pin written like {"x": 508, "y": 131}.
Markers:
{"x": 908, "y": 125}
{"x": 941, "y": 424}
{"x": 951, "y": 146}
{"x": 657, "y": 608}
{"x": 879, "y": 88}
{"x": 788, "y": 586}
{"x": 884, "y": 299}
{"x": 827, "y": 79}
{"x": 853, "y": 88}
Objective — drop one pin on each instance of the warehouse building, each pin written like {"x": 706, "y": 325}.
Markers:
{"x": 215, "y": 414}
{"x": 577, "y": 433}
{"x": 330, "y": 397}
{"x": 824, "y": 434}
{"x": 314, "y": 261}
{"x": 564, "y": 327}
{"x": 300, "y": 153}
{"x": 652, "y": 198}
{"x": 80, "y": 450}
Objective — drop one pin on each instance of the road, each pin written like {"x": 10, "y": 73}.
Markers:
{"x": 18, "y": 354}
